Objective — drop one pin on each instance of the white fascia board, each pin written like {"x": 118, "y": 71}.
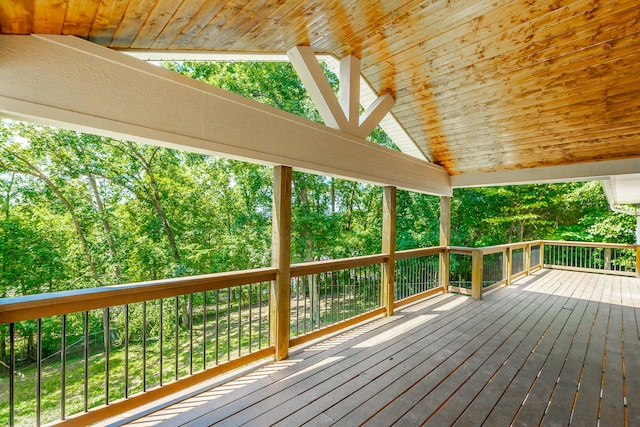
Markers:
{"x": 389, "y": 123}
{"x": 591, "y": 171}
{"x": 69, "y": 82}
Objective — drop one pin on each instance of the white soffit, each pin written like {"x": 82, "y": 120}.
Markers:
{"x": 622, "y": 189}
{"x": 389, "y": 123}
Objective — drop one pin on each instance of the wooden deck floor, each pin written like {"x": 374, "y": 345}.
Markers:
{"x": 557, "y": 348}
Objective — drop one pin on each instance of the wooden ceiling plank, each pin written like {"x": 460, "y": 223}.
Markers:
{"x": 49, "y": 15}
{"x": 486, "y": 147}
{"x": 553, "y": 49}
{"x": 106, "y": 21}
{"x": 196, "y": 25}
{"x": 554, "y": 156}
{"x": 155, "y": 23}
{"x": 211, "y": 37}
{"x": 597, "y": 95}
{"x": 573, "y": 66}
{"x": 181, "y": 19}
{"x": 465, "y": 58}
{"x": 79, "y": 17}
{"x": 16, "y": 17}
{"x": 487, "y": 22}
{"x": 232, "y": 35}
{"x": 134, "y": 18}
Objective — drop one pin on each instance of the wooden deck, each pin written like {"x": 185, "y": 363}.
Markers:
{"x": 557, "y": 348}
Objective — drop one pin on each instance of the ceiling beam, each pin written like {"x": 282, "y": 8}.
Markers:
{"x": 69, "y": 82}
{"x": 343, "y": 112}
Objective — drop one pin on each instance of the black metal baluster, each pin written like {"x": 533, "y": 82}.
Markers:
{"x": 12, "y": 372}
{"x": 86, "y": 360}
{"x": 107, "y": 344}
{"x": 204, "y": 330}
{"x": 126, "y": 351}
{"x": 161, "y": 339}
{"x": 63, "y": 367}
{"x": 177, "y": 340}
{"x": 190, "y": 334}
{"x": 217, "y": 326}
{"x": 228, "y": 324}
{"x": 38, "y": 369}
{"x": 250, "y": 322}
{"x": 144, "y": 346}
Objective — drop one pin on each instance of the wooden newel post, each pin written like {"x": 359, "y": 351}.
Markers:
{"x": 281, "y": 259}
{"x": 445, "y": 240}
{"x": 388, "y": 246}
{"x": 477, "y": 259}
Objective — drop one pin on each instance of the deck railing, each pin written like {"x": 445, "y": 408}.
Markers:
{"x": 118, "y": 347}
{"x": 606, "y": 258}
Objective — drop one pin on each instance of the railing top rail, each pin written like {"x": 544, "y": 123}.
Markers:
{"x": 461, "y": 250}
{"x": 56, "y": 303}
{"x": 316, "y": 267}
{"x": 590, "y": 244}
{"x": 415, "y": 253}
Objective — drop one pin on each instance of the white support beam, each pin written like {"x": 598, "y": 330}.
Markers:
{"x": 69, "y": 82}
{"x": 389, "y": 123}
{"x": 317, "y": 86}
{"x": 348, "y": 119}
{"x": 349, "y": 92}
{"x": 374, "y": 114}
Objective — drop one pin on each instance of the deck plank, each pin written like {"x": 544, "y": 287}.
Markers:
{"x": 631, "y": 300}
{"x": 356, "y": 375}
{"x": 612, "y": 398}
{"x": 561, "y": 402}
{"x": 539, "y": 395}
{"x": 483, "y": 373}
{"x": 587, "y": 402}
{"x": 479, "y": 409}
{"x": 558, "y": 347}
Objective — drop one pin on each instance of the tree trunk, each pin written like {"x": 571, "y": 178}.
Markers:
{"x": 105, "y": 225}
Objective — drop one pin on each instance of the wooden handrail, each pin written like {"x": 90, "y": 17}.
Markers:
{"x": 416, "y": 253}
{"x": 317, "y": 267}
{"x": 56, "y": 303}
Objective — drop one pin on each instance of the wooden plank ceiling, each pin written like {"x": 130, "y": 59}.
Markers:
{"x": 480, "y": 85}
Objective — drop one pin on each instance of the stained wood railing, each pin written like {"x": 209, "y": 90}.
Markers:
{"x": 144, "y": 341}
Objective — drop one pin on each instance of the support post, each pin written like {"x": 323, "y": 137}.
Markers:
{"x": 388, "y": 246}
{"x": 509, "y": 264}
{"x": 476, "y": 274}
{"x": 445, "y": 240}
{"x": 527, "y": 259}
{"x": 281, "y": 259}
{"x": 607, "y": 258}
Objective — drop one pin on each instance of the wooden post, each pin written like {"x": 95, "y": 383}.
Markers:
{"x": 638, "y": 260}
{"x": 476, "y": 275}
{"x": 505, "y": 266}
{"x": 281, "y": 259}
{"x": 388, "y": 246}
{"x": 607, "y": 258}
{"x": 509, "y": 264}
{"x": 541, "y": 254}
{"x": 527, "y": 259}
{"x": 445, "y": 240}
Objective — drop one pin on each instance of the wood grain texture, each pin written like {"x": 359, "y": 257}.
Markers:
{"x": 480, "y": 86}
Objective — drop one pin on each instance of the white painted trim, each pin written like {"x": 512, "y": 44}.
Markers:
{"x": 69, "y": 82}
{"x": 319, "y": 90}
{"x": 591, "y": 171}
{"x": 389, "y": 123}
